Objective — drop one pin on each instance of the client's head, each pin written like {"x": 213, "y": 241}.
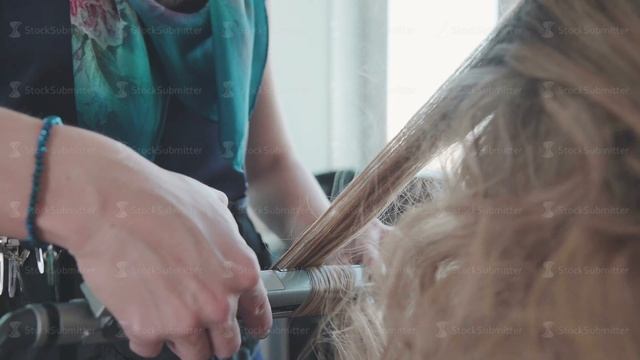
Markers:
{"x": 528, "y": 250}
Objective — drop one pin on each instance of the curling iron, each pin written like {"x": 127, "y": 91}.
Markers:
{"x": 87, "y": 321}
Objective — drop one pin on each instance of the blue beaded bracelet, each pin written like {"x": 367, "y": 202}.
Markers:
{"x": 41, "y": 150}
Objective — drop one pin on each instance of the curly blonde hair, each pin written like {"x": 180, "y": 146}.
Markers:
{"x": 528, "y": 250}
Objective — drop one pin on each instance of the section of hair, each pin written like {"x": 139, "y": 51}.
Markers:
{"x": 393, "y": 168}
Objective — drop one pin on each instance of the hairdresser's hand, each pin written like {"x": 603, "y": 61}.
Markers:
{"x": 365, "y": 248}
{"x": 164, "y": 255}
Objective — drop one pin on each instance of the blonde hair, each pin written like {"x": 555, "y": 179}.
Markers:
{"x": 528, "y": 251}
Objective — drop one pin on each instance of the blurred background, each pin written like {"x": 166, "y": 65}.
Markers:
{"x": 350, "y": 73}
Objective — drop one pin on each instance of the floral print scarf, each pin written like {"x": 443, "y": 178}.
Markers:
{"x": 130, "y": 56}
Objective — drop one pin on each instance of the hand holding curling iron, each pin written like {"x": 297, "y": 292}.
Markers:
{"x": 153, "y": 240}
{"x": 192, "y": 261}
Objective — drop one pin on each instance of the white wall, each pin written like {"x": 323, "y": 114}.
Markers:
{"x": 299, "y": 45}
{"x": 329, "y": 64}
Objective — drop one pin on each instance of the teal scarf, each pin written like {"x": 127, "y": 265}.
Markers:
{"x": 130, "y": 56}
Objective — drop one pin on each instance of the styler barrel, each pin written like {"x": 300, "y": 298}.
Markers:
{"x": 87, "y": 320}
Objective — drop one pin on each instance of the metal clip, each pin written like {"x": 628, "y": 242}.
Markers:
{"x": 10, "y": 249}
